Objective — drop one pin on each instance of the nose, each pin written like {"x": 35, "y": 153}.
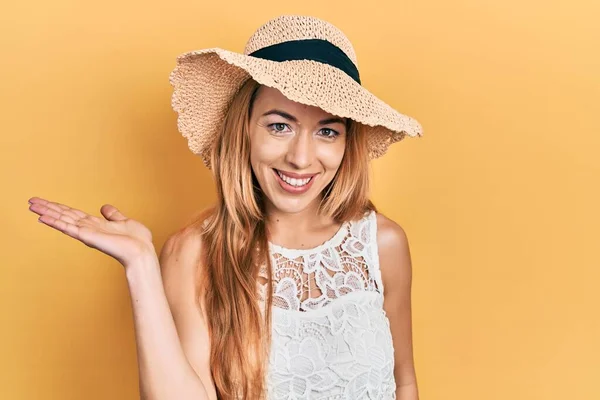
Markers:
{"x": 301, "y": 151}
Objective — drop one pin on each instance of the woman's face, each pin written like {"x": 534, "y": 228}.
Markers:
{"x": 295, "y": 150}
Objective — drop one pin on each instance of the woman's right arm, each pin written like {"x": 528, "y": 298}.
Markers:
{"x": 180, "y": 260}
{"x": 172, "y": 337}
{"x": 170, "y": 331}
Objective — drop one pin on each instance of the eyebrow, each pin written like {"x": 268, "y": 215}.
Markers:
{"x": 294, "y": 119}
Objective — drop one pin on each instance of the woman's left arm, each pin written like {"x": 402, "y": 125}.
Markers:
{"x": 396, "y": 274}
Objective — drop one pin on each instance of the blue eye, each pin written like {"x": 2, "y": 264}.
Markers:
{"x": 329, "y": 133}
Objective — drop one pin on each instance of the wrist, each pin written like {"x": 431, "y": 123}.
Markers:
{"x": 142, "y": 263}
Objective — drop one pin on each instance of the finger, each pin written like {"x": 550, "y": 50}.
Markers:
{"x": 60, "y": 225}
{"x": 33, "y": 200}
{"x": 78, "y": 213}
{"x": 111, "y": 213}
{"x": 57, "y": 215}
{"x": 73, "y": 212}
{"x": 84, "y": 230}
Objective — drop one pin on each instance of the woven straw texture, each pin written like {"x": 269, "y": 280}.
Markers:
{"x": 205, "y": 81}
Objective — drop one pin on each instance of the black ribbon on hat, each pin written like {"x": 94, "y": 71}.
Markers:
{"x": 309, "y": 49}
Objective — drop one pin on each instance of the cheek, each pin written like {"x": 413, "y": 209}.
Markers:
{"x": 264, "y": 151}
{"x": 331, "y": 155}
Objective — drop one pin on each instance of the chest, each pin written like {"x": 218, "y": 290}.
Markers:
{"x": 343, "y": 350}
{"x": 330, "y": 337}
{"x": 309, "y": 279}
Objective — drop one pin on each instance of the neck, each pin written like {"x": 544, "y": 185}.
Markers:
{"x": 285, "y": 225}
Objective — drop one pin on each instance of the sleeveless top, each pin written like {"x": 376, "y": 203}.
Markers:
{"x": 331, "y": 337}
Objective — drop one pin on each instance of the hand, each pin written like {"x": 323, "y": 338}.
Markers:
{"x": 120, "y": 237}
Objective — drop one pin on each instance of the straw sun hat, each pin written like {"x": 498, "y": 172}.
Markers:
{"x": 308, "y": 60}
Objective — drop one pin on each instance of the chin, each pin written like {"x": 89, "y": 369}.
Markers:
{"x": 291, "y": 206}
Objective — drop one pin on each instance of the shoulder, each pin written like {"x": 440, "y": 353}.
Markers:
{"x": 390, "y": 234}
{"x": 180, "y": 259}
{"x": 185, "y": 245}
{"x": 394, "y": 252}
{"x": 185, "y": 242}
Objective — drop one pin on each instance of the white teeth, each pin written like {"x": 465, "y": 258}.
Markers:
{"x": 293, "y": 181}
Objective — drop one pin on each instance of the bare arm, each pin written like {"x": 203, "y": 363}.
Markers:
{"x": 164, "y": 371}
{"x": 180, "y": 265}
{"x": 396, "y": 271}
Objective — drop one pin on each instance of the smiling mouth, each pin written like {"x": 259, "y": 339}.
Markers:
{"x": 295, "y": 182}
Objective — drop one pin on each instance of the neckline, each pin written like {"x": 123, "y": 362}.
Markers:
{"x": 333, "y": 241}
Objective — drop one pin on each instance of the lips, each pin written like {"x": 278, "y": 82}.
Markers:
{"x": 294, "y": 175}
{"x": 294, "y": 183}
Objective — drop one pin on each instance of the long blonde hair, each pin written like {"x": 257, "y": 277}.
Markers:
{"x": 236, "y": 245}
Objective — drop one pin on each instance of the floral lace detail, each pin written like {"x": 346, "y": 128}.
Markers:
{"x": 309, "y": 279}
{"x": 331, "y": 337}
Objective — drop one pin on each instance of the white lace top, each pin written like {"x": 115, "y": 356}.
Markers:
{"x": 331, "y": 338}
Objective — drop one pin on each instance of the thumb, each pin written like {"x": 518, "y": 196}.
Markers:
{"x": 111, "y": 213}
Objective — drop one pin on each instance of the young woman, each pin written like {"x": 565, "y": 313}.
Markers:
{"x": 292, "y": 286}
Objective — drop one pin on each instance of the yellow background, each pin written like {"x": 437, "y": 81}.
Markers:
{"x": 499, "y": 198}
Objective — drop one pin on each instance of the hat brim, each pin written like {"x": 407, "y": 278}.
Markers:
{"x": 205, "y": 81}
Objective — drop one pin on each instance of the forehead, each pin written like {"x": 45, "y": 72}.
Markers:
{"x": 269, "y": 98}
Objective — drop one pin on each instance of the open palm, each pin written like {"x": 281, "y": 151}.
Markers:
{"x": 120, "y": 237}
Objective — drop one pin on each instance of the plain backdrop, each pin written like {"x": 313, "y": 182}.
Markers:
{"x": 499, "y": 198}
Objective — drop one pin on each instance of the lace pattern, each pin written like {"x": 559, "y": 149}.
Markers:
{"x": 330, "y": 336}
{"x": 308, "y": 279}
